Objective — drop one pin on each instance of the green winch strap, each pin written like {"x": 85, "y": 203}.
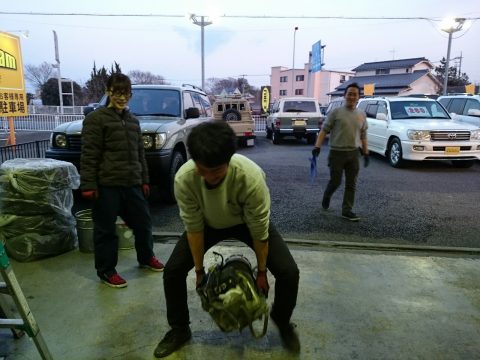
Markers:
{"x": 3, "y": 256}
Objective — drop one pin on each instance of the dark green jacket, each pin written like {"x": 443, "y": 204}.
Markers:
{"x": 112, "y": 150}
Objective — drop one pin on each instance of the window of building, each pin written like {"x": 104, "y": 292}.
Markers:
{"x": 298, "y": 91}
{"x": 382, "y": 71}
{"x": 300, "y": 78}
{"x": 342, "y": 79}
{"x": 283, "y": 79}
{"x": 283, "y": 92}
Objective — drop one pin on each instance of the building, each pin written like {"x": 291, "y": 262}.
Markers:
{"x": 317, "y": 85}
{"x": 395, "y": 78}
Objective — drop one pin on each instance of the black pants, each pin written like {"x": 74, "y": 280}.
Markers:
{"x": 340, "y": 161}
{"x": 279, "y": 262}
{"x": 129, "y": 203}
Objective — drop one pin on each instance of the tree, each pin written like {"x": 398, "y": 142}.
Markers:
{"x": 96, "y": 86}
{"x": 38, "y": 75}
{"x": 216, "y": 86}
{"x": 145, "y": 77}
{"x": 50, "y": 93}
{"x": 454, "y": 78}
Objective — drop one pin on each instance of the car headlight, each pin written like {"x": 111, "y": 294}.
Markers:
{"x": 59, "y": 140}
{"x": 418, "y": 134}
{"x": 475, "y": 135}
{"x": 154, "y": 141}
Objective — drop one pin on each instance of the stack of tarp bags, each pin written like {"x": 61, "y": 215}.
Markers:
{"x": 36, "y": 200}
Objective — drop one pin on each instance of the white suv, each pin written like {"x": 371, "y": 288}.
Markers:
{"x": 465, "y": 108}
{"x": 406, "y": 128}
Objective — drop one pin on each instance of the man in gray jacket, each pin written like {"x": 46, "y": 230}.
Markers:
{"x": 114, "y": 175}
{"x": 347, "y": 127}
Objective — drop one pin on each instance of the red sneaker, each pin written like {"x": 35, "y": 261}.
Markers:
{"x": 115, "y": 281}
{"x": 153, "y": 264}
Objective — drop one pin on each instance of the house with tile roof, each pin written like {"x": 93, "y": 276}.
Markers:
{"x": 395, "y": 78}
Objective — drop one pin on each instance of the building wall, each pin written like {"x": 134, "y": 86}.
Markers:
{"x": 424, "y": 85}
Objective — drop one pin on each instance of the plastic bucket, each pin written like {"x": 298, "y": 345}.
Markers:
{"x": 85, "y": 230}
{"x": 126, "y": 240}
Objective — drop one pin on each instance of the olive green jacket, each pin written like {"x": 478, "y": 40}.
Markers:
{"x": 112, "y": 150}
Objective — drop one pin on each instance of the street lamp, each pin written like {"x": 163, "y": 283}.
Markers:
{"x": 293, "y": 62}
{"x": 200, "y": 21}
{"x": 450, "y": 26}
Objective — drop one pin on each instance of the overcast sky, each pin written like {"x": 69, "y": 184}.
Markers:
{"x": 236, "y": 47}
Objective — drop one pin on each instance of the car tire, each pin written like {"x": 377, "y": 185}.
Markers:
{"x": 276, "y": 137}
{"x": 167, "y": 193}
{"x": 231, "y": 115}
{"x": 311, "y": 139}
{"x": 464, "y": 164}
{"x": 395, "y": 153}
{"x": 269, "y": 133}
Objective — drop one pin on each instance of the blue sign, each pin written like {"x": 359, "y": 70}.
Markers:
{"x": 317, "y": 57}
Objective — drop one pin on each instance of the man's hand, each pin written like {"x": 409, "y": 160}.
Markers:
{"x": 366, "y": 160}
{"x": 89, "y": 194}
{"x": 262, "y": 282}
{"x": 200, "y": 274}
{"x": 146, "y": 190}
{"x": 316, "y": 151}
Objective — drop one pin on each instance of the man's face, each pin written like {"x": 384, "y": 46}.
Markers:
{"x": 351, "y": 97}
{"x": 212, "y": 176}
{"x": 119, "y": 99}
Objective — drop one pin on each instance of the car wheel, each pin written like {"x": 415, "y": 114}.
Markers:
{"x": 269, "y": 133}
{"x": 462, "y": 163}
{"x": 276, "y": 137}
{"x": 311, "y": 139}
{"x": 167, "y": 193}
{"x": 395, "y": 154}
{"x": 231, "y": 114}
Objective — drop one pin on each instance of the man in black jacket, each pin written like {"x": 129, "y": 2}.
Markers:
{"x": 114, "y": 176}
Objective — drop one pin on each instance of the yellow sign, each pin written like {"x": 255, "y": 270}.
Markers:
{"x": 470, "y": 89}
{"x": 265, "y": 98}
{"x": 368, "y": 89}
{"x": 13, "y": 100}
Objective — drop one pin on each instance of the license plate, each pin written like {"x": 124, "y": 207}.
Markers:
{"x": 299, "y": 123}
{"x": 250, "y": 142}
{"x": 450, "y": 150}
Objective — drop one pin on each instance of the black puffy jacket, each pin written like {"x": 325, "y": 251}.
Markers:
{"x": 112, "y": 150}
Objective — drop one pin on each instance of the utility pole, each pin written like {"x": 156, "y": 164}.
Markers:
{"x": 57, "y": 66}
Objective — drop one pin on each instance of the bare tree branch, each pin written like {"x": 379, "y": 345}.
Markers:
{"x": 38, "y": 75}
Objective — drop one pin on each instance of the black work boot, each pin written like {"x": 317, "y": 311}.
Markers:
{"x": 173, "y": 340}
{"x": 289, "y": 336}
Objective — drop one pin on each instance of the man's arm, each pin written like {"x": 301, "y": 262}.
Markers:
{"x": 261, "y": 252}
{"x": 320, "y": 138}
{"x": 197, "y": 248}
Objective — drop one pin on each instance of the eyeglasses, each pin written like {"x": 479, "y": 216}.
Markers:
{"x": 119, "y": 94}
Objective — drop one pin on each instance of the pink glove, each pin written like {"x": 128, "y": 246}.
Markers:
{"x": 89, "y": 194}
{"x": 146, "y": 190}
{"x": 262, "y": 282}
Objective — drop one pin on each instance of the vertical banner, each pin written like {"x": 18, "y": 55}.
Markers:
{"x": 470, "y": 89}
{"x": 13, "y": 100}
{"x": 265, "y": 98}
{"x": 368, "y": 89}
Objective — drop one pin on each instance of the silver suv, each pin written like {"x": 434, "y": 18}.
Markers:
{"x": 297, "y": 116}
{"x": 407, "y": 128}
{"x": 166, "y": 114}
{"x": 465, "y": 108}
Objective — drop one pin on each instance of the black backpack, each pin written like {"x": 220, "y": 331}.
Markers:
{"x": 229, "y": 294}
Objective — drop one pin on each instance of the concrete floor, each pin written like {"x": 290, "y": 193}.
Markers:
{"x": 352, "y": 305}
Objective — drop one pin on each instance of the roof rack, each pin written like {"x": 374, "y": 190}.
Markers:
{"x": 194, "y": 87}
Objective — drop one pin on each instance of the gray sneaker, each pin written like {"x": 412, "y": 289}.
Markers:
{"x": 350, "y": 215}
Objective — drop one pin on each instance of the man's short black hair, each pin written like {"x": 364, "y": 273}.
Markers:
{"x": 119, "y": 82}
{"x": 352, "y": 85}
{"x": 212, "y": 143}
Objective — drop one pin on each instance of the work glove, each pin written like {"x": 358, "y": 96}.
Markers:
{"x": 366, "y": 160}
{"x": 262, "y": 282}
{"x": 316, "y": 151}
{"x": 200, "y": 277}
{"x": 89, "y": 194}
{"x": 146, "y": 190}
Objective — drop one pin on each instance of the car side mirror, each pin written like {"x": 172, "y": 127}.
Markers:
{"x": 381, "y": 116}
{"x": 474, "y": 112}
{"x": 192, "y": 113}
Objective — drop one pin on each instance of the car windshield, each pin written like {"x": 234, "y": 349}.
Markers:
{"x": 417, "y": 109}
{"x": 158, "y": 102}
{"x": 299, "y": 106}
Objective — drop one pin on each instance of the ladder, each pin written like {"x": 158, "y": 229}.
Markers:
{"x": 27, "y": 322}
